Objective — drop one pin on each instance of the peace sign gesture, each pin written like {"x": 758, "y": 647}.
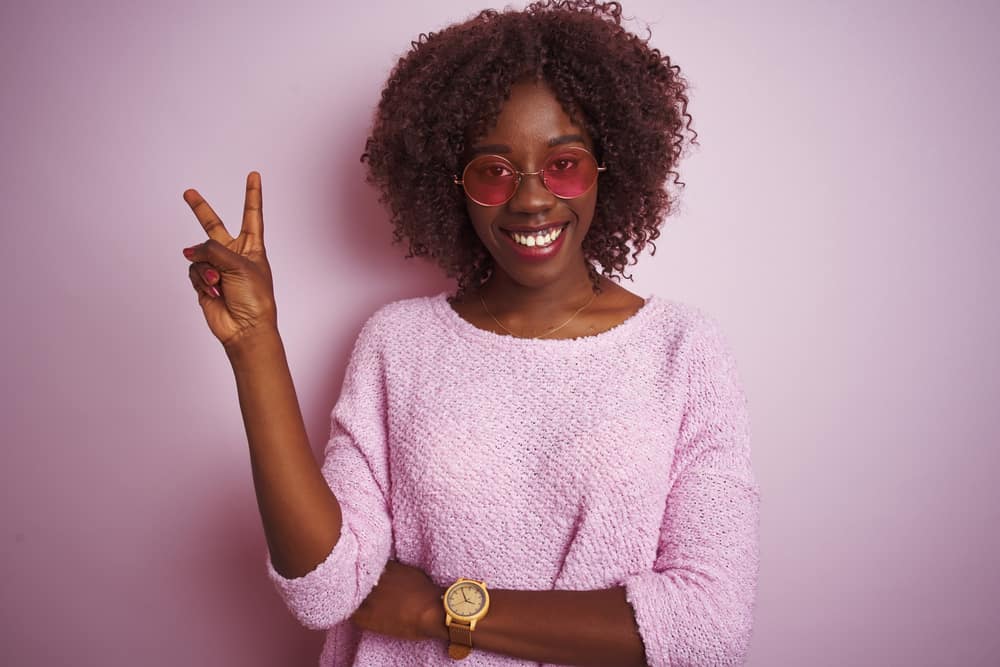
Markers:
{"x": 231, "y": 275}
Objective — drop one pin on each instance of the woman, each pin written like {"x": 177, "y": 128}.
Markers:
{"x": 543, "y": 467}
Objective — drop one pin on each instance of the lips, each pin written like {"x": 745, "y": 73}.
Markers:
{"x": 538, "y": 252}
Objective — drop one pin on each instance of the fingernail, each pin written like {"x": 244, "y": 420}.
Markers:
{"x": 214, "y": 291}
{"x": 211, "y": 276}
{"x": 189, "y": 252}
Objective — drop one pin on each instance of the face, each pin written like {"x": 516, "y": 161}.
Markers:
{"x": 532, "y": 127}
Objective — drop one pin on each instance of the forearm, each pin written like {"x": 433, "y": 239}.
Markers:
{"x": 301, "y": 516}
{"x": 584, "y": 628}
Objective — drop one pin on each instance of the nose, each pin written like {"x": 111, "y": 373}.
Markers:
{"x": 531, "y": 195}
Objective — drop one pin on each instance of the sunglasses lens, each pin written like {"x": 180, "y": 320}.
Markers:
{"x": 489, "y": 180}
{"x": 570, "y": 173}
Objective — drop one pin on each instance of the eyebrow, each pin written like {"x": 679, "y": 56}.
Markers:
{"x": 504, "y": 148}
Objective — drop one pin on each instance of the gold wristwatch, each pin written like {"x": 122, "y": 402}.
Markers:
{"x": 465, "y": 602}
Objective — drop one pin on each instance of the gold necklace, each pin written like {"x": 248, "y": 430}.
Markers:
{"x": 500, "y": 324}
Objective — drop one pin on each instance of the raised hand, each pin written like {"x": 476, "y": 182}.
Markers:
{"x": 242, "y": 276}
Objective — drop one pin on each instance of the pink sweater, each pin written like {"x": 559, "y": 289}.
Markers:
{"x": 621, "y": 458}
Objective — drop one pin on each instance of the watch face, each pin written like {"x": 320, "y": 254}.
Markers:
{"x": 465, "y": 599}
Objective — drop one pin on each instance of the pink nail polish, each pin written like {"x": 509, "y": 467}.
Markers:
{"x": 211, "y": 276}
{"x": 214, "y": 291}
{"x": 188, "y": 252}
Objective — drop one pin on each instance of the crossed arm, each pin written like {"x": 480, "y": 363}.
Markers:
{"x": 584, "y": 628}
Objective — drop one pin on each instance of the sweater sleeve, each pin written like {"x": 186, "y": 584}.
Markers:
{"x": 355, "y": 468}
{"x": 695, "y": 606}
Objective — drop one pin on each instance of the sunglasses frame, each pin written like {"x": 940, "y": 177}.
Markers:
{"x": 521, "y": 174}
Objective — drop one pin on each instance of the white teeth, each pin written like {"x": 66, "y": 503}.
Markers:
{"x": 533, "y": 240}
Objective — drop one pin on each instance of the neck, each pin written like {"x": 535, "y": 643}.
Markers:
{"x": 532, "y": 307}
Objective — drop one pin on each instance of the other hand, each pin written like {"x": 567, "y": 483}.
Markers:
{"x": 405, "y": 603}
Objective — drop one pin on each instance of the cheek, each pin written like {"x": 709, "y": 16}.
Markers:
{"x": 481, "y": 220}
{"x": 585, "y": 208}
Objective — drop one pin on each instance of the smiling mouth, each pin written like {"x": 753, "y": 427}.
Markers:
{"x": 539, "y": 239}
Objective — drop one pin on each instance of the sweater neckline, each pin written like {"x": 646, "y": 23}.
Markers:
{"x": 615, "y": 335}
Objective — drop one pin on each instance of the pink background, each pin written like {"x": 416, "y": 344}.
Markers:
{"x": 839, "y": 219}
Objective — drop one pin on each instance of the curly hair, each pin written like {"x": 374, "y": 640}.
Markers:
{"x": 452, "y": 84}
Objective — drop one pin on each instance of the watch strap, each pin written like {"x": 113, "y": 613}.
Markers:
{"x": 461, "y": 634}
{"x": 461, "y": 641}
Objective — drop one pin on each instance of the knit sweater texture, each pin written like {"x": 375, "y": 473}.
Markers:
{"x": 617, "y": 459}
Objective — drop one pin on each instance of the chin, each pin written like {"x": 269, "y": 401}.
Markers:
{"x": 535, "y": 277}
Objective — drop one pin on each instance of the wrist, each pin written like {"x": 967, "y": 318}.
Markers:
{"x": 252, "y": 343}
{"x": 432, "y": 619}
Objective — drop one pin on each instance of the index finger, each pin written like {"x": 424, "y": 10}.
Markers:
{"x": 253, "y": 214}
{"x": 207, "y": 217}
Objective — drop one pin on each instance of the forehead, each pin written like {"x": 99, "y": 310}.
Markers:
{"x": 530, "y": 118}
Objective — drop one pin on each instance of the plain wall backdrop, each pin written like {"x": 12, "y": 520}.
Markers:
{"x": 839, "y": 220}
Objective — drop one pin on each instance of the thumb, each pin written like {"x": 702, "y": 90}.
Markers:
{"x": 216, "y": 254}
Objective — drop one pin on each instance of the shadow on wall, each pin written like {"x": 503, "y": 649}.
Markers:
{"x": 357, "y": 238}
{"x": 241, "y": 597}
